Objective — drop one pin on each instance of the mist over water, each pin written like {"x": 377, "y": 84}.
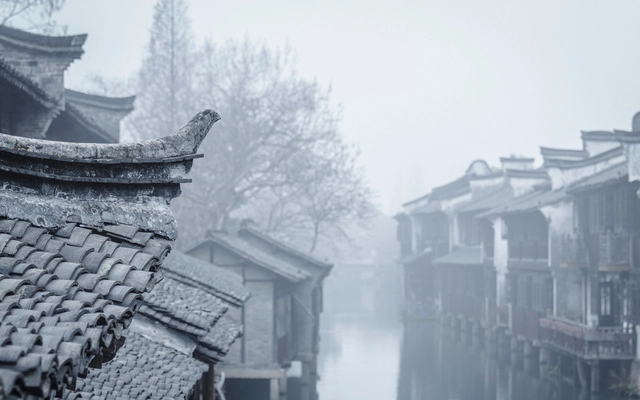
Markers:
{"x": 362, "y": 358}
{"x": 359, "y": 359}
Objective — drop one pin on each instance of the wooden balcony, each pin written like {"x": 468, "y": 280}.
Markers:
{"x": 527, "y": 253}
{"x": 606, "y": 251}
{"x": 572, "y": 252}
{"x": 599, "y": 343}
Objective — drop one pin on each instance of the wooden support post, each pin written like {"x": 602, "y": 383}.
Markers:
{"x": 595, "y": 377}
{"x": 582, "y": 374}
{"x": 274, "y": 389}
{"x": 544, "y": 362}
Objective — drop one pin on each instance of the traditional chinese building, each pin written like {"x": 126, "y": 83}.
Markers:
{"x": 85, "y": 228}
{"x": 546, "y": 259}
{"x": 182, "y": 330}
{"x": 276, "y": 358}
{"x": 33, "y": 100}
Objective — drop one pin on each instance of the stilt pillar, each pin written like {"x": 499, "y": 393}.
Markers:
{"x": 274, "y": 389}
{"x": 595, "y": 377}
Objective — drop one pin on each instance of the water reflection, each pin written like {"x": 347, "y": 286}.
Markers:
{"x": 359, "y": 359}
{"x": 436, "y": 365}
{"x": 368, "y": 359}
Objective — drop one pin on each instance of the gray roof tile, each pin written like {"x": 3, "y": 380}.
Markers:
{"x": 71, "y": 275}
{"x": 215, "y": 280}
{"x": 233, "y": 242}
{"x": 143, "y": 369}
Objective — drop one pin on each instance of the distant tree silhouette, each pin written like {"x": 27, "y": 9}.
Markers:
{"x": 165, "y": 79}
{"x": 34, "y": 15}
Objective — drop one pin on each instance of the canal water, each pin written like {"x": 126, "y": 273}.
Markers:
{"x": 362, "y": 358}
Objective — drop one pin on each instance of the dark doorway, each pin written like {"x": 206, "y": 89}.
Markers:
{"x": 247, "y": 389}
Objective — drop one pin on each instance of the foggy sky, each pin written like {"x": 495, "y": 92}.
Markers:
{"x": 426, "y": 86}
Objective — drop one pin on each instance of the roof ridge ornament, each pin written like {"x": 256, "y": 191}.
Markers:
{"x": 48, "y": 182}
{"x": 184, "y": 142}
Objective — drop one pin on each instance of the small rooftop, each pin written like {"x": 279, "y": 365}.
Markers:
{"x": 606, "y": 136}
{"x": 462, "y": 256}
{"x": 233, "y": 242}
{"x": 213, "y": 279}
{"x": 487, "y": 200}
{"x": 599, "y": 179}
{"x": 145, "y": 370}
{"x": 550, "y": 152}
{"x": 105, "y": 102}
{"x": 43, "y": 43}
{"x": 581, "y": 162}
{"x": 537, "y": 198}
{"x": 281, "y": 246}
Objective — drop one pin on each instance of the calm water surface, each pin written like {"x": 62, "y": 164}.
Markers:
{"x": 364, "y": 359}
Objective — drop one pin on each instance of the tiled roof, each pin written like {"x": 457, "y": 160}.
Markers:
{"x": 88, "y": 122}
{"x": 67, "y": 44}
{"x": 67, "y": 294}
{"x": 539, "y": 173}
{"x": 549, "y": 152}
{"x": 115, "y": 103}
{"x": 452, "y": 189}
{"x": 462, "y": 256}
{"x": 239, "y": 246}
{"x": 448, "y": 190}
{"x": 144, "y": 369}
{"x": 512, "y": 159}
{"x": 598, "y": 135}
{"x": 431, "y": 207}
{"x": 411, "y": 258}
{"x": 99, "y": 184}
{"x": 486, "y": 200}
{"x": 176, "y": 320}
{"x": 83, "y": 229}
{"x": 223, "y": 334}
{"x": 582, "y": 162}
{"x": 284, "y": 247}
{"x": 189, "y": 310}
{"x": 215, "y": 280}
{"x": 608, "y": 175}
{"x": 528, "y": 202}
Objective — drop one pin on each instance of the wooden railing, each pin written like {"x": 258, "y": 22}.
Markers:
{"x": 598, "y": 343}
{"x": 601, "y": 249}
{"x": 526, "y": 249}
{"x": 573, "y": 251}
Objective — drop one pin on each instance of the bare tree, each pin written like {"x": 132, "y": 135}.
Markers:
{"x": 277, "y": 156}
{"x": 30, "y": 14}
{"x": 164, "y": 81}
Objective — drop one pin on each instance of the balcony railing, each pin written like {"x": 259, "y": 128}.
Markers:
{"x": 438, "y": 247}
{"x": 610, "y": 343}
{"x": 611, "y": 249}
{"x": 529, "y": 250}
{"x": 573, "y": 251}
